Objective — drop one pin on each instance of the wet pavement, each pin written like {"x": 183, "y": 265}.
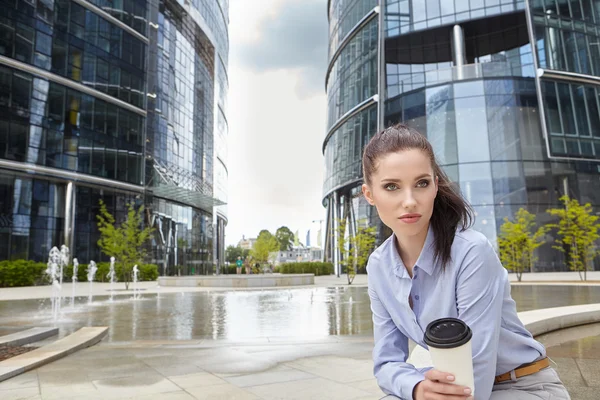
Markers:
{"x": 241, "y": 315}
{"x": 576, "y": 352}
{"x": 297, "y": 343}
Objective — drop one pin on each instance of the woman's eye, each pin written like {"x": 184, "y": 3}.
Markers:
{"x": 391, "y": 186}
{"x": 423, "y": 183}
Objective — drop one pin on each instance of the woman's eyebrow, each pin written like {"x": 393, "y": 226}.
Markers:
{"x": 400, "y": 180}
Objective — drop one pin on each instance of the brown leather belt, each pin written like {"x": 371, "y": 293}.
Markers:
{"x": 524, "y": 370}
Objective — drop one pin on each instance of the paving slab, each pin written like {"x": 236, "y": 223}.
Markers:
{"x": 28, "y": 336}
{"x": 83, "y": 338}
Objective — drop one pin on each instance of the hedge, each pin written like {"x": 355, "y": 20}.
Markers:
{"x": 317, "y": 268}
{"x": 22, "y": 273}
{"x": 30, "y": 273}
{"x": 148, "y": 272}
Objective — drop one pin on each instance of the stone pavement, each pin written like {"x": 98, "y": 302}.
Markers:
{"x": 576, "y": 352}
{"x": 331, "y": 368}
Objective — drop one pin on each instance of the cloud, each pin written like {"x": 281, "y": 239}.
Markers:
{"x": 292, "y": 36}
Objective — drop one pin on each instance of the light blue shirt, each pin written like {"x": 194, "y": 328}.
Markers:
{"x": 474, "y": 288}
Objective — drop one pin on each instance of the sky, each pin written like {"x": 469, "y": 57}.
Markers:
{"x": 276, "y": 115}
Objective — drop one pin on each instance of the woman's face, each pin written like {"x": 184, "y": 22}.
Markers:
{"x": 403, "y": 189}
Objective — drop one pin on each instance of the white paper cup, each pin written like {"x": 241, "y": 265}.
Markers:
{"x": 449, "y": 342}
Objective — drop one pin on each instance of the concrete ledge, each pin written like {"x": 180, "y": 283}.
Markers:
{"x": 28, "y": 336}
{"x": 546, "y": 320}
{"x": 85, "y": 337}
{"x": 238, "y": 281}
{"x": 538, "y": 322}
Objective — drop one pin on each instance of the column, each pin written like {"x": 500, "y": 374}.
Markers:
{"x": 458, "y": 50}
{"x": 336, "y": 219}
{"x": 69, "y": 224}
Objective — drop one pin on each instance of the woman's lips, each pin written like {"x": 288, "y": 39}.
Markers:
{"x": 410, "y": 218}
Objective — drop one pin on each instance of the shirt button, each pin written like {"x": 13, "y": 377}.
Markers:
{"x": 417, "y": 297}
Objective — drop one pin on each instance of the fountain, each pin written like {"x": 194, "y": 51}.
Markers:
{"x": 91, "y": 273}
{"x": 54, "y": 259}
{"x": 111, "y": 276}
{"x": 135, "y": 280}
{"x": 74, "y": 279}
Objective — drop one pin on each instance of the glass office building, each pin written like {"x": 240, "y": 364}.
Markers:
{"x": 507, "y": 91}
{"x": 123, "y": 101}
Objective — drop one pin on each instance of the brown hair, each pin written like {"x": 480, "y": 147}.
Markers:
{"x": 449, "y": 208}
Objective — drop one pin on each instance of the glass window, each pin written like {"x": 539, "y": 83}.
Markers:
{"x": 100, "y": 116}
{"x": 43, "y": 43}
{"x": 566, "y": 109}
{"x": 122, "y": 165}
{"x": 24, "y": 43}
{"x": 552, "y": 110}
{"x": 21, "y": 91}
{"x": 471, "y": 129}
{"x": 476, "y": 183}
{"x": 56, "y": 104}
{"x": 485, "y": 222}
{"x": 111, "y": 119}
{"x": 5, "y": 86}
{"x": 84, "y": 157}
{"x": 441, "y": 125}
{"x": 593, "y": 104}
{"x": 508, "y": 183}
{"x": 110, "y": 161}
{"x": 17, "y": 141}
{"x": 4, "y": 132}
{"x": 468, "y": 89}
{"x": 580, "y": 110}
{"x": 433, "y": 9}
{"x": 59, "y": 57}
{"x": 87, "y": 112}
{"x": 418, "y": 10}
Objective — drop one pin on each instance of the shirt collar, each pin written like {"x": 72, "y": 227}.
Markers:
{"x": 426, "y": 260}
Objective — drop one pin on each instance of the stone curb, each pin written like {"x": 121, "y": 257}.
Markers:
{"x": 29, "y": 336}
{"x": 238, "y": 281}
{"x": 84, "y": 337}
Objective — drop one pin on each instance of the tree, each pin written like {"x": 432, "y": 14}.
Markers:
{"x": 578, "y": 231}
{"x": 363, "y": 244}
{"x": 265, "y": 244}
{"x": 124, "y": 242}
{"x": 517, "y": 242}
{"x": 355, "y": 249}
{"x": 344, "y": 251}
{"x": 285, "y": 238}
{"x": 233, "y": 252}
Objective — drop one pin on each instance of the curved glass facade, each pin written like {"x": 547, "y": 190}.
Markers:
{"x": 343, "y": 16}
{"x": 79, "y": 45}
{"x": 480, "y": 108}
{"x": 353, "y": 76}
{"x": 120, "y": 101}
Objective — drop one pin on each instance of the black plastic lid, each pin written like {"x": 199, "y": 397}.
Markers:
{"x": 447, "y": 333}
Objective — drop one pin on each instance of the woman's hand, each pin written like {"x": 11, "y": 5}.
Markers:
{"x": 438, "y": 386}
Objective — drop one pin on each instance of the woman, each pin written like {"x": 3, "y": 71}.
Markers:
{"x": 434, "y": 266}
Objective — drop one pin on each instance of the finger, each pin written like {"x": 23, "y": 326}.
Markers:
{"x": 435, "y": 375}
{"x": 437, "y": 396}
{"x": 450, "y": 389}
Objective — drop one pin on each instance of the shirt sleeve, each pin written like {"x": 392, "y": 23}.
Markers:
{"x": 394, "y": 375}
{"x": 479, "y": 295}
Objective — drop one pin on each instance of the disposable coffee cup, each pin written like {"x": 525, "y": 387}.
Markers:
{"x": 449, "y": 342}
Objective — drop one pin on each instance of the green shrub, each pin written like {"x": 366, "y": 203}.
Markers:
{"x": 148, "y": 272}
{"x": 22, "y": 273}
{"x": 30, "y": 273}
{"x": 317, "y": 268}
{"x": 81, "y": 274}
